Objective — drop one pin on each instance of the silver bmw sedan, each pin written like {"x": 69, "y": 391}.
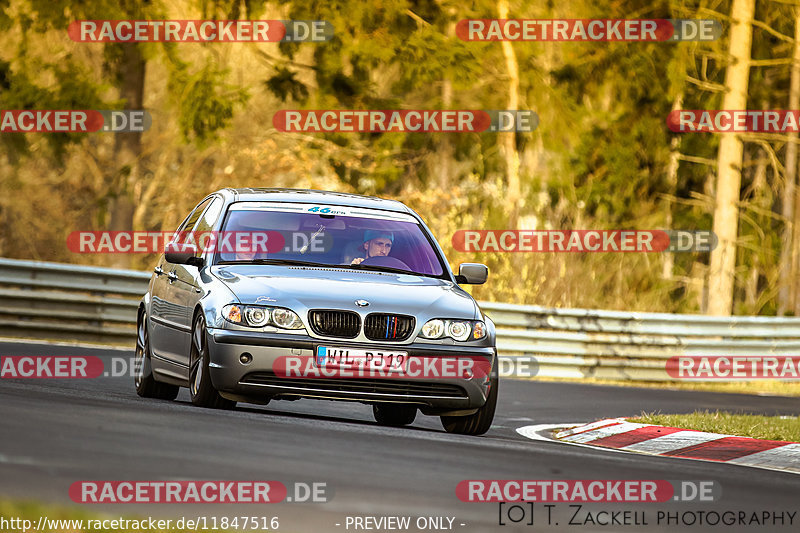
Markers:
{"x": 282, "y": 294}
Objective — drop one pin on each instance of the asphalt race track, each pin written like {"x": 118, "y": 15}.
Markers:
{"x": 58, "y": 431}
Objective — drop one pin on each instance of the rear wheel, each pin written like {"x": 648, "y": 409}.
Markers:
{"x": 477, "y": 423}
{"x": 146, "y": 384}
{"x": 201, "y": 390}
{"x": 394, "y": 415}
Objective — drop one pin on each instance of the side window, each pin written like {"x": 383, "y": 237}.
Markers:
{"x": 210, "y": 217}
{"x": 206, "y": 222}
{"x": 190, "y": 221}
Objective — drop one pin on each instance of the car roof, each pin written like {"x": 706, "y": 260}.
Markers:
{"x": 311, "y": 196}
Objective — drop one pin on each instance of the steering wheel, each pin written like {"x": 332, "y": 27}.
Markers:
{"x": 385, "y": 261}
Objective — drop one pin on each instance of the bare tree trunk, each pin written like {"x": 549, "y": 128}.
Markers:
{"x": 729, "y": 163}
{"x": 127, "y": 147}
{"x": 672, "y": 183}
{"x": 446, "y": 152}
{"x": 790, "y": 249}
{"x": 508, "y": 142}
{"x": 762, "y": 200}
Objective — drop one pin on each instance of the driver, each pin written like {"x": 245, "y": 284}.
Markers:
{"x": 376, "y": 244}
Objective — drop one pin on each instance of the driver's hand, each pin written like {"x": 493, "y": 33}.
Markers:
{"x": 357, "y": 261}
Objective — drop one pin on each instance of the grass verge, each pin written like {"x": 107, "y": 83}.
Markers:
{"x": 759, "y": 427}
{"x": 764, "y": 388}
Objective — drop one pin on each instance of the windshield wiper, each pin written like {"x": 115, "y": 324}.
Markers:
{"x": 385, "y": 269}
{"x": 290, "y": 262}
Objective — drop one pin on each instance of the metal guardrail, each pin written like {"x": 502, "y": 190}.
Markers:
{"x": 68, "y": 302}
{"x": 625, "y": 345}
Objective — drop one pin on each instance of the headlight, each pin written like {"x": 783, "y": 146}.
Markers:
{"x": 433, "y": 329}
{"x": 284, "y": 318}
{"x": 458, "y": 330}
{"x": 256, "y": 316}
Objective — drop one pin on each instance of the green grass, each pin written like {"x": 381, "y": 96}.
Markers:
{"x": 759, "y": 427}
{"x": 765, "y": 387}
{"x": 32, "y": 511}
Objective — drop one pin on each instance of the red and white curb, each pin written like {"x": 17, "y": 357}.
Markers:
{"x": 619, "y": 434}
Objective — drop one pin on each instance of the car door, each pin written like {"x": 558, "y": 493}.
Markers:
{"x": 187, "y": 285}
{"x": 168, "y": 323}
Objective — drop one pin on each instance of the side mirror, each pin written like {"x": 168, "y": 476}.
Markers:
{"x": 472, "y": 273}
{"x": 182, "y": 254}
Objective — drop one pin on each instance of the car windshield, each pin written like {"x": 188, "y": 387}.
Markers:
{"x": 303, "y": 234}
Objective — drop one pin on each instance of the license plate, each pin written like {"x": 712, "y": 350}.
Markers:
{"x": 352, "y": 358}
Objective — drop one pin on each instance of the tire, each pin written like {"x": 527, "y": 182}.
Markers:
{"x": 394, "y": 415}
{"x": 477, "y": 423}
{"x": 201, "y": 390}
{"x": 146, "y": 385}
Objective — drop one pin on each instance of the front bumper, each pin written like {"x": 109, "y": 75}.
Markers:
{"x": 257, "y": 380}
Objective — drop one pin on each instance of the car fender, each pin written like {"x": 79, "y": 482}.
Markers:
{"x": 216, "y": 296}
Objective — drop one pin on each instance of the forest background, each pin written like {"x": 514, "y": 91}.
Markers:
{"x": 602, "y": 156}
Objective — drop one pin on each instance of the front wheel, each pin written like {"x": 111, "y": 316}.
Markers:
{"x": 477, "y": 423}
{"x": 201, "y": 390}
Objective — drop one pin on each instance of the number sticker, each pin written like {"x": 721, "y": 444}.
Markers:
{"x": 328, "y": 210}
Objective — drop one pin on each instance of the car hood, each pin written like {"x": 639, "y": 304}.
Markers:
{"x": 332, "y": 288}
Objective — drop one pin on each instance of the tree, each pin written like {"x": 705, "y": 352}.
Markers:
{"x": 729, "y": 162}
{"x": 205, "y": 102}
{"x": 508, "y": 141}
{"x": 790, "y": 245}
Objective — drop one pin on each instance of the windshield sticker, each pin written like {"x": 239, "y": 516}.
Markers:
{"x": 323, "y": 210}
